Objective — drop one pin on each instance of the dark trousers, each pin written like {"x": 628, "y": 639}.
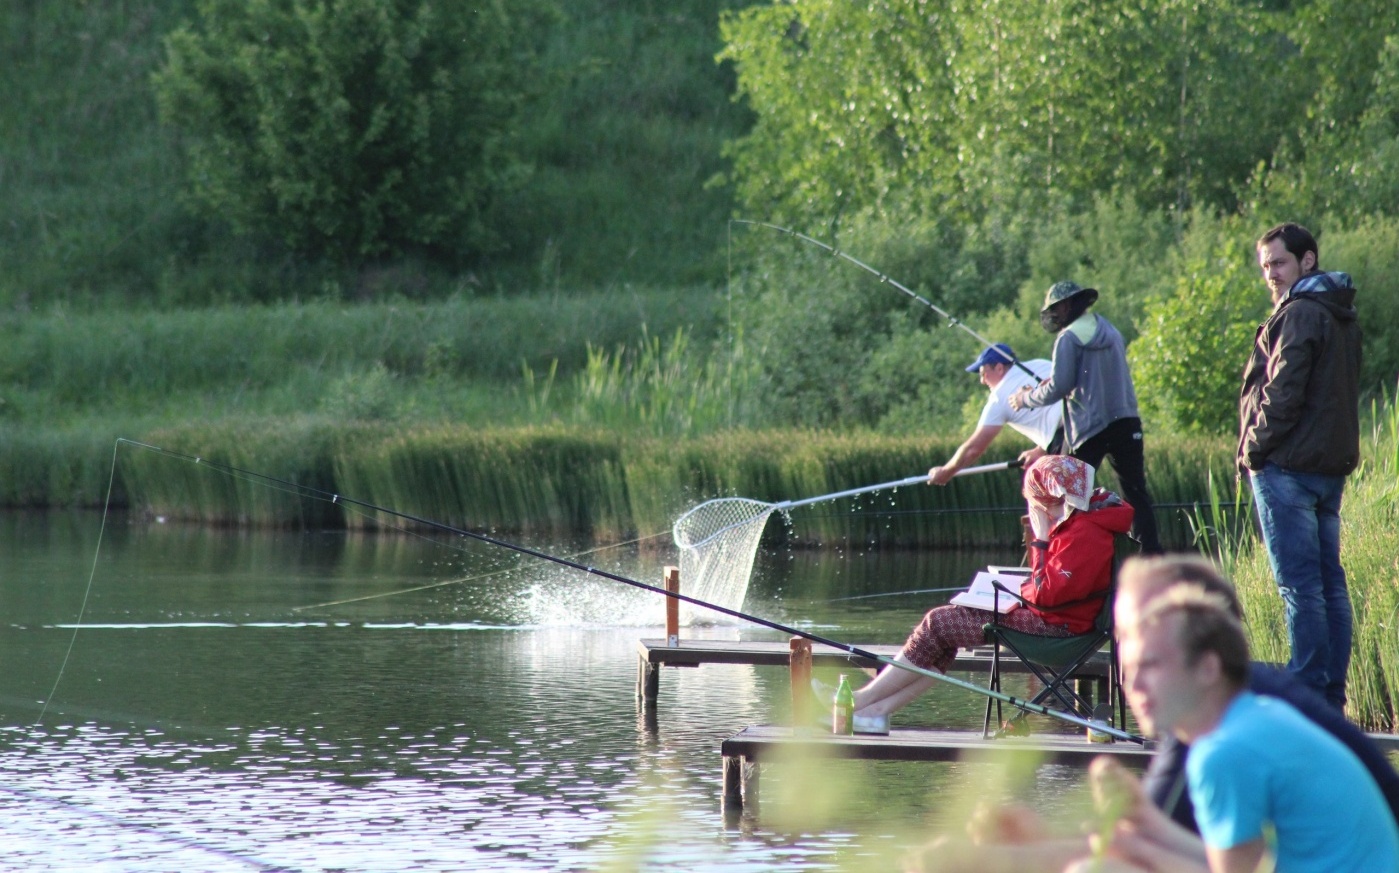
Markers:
{"x": 1121, "y": 443}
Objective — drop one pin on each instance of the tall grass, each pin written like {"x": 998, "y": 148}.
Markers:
{"x": 298, "y": 452}
{"x": 654, "y": 388}
{"x": 1370, "y": 555}
{"x": 516, "y": 479}
{"x": 69, "y": 359}
{"x": 43, "y": 468}
{"x": 1179, "y": 470}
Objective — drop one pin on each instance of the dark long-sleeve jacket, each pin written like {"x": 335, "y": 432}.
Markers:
{"x": 1090, "y": 372}
{"x": 1299, "y": 404}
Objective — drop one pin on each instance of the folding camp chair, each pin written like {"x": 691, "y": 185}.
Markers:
{"x": 1057, "y": 661}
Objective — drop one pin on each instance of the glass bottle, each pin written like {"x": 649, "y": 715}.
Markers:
{"x": 843, "y": 716}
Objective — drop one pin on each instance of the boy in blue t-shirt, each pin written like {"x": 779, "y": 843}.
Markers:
{"x": 1264, "y": 780}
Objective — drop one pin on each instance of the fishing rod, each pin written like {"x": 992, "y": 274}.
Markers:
{"x": 710, "y": 520}
{"x": 341, "y": 499}
{"x": 885, "y": 278}
{"x": 896, "y": 594}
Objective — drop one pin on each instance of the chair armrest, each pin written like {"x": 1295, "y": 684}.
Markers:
{"x": 1092, "y": 598}
{"x": 996, "y": 600}
{"x": 996, "y": 584}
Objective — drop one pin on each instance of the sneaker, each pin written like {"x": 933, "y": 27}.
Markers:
{"x": 871, "y": 724}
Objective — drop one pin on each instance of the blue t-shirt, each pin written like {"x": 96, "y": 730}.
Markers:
{"x": 1164, "y": 780}
{"x": 1266, "y": 763}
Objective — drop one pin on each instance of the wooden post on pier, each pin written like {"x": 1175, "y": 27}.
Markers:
{"x": 801, "y": 681}
{"x": 672, "y": 607}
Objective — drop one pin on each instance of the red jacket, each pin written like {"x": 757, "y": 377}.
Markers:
{"x": 1075, "y": 564}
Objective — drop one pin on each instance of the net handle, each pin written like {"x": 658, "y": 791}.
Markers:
{"x": 911, "y": 480}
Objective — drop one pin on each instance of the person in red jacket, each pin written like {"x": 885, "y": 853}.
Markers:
{"x": 1073, "y": 527}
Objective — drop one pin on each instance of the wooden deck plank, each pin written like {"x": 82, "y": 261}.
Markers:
{"x": 774, "y": 653}
{"x": 757, "y": 742}
{"x": 656, "y": 653}
{"x": 745, "y": 750}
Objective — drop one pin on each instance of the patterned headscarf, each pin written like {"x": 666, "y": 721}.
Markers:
{"x": 1056, "y": 485}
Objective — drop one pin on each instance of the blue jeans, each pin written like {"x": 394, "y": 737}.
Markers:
{"x": 1300, "y": 514}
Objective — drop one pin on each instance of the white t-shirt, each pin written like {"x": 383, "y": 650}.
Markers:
{"x": 1037, "y": 424}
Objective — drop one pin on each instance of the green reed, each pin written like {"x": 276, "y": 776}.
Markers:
{"x": 42, "y": 468}
{"x": 652, "y": 387}
{"x": 296, "y": 451}
{"x": 544, "y": 479}
{"x": 609, "y": 483}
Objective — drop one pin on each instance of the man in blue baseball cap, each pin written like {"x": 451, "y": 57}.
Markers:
{"x": 1003, "y": 375}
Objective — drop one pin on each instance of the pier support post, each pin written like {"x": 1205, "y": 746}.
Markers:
{"x": 648, "y": 681}
{"x": 740, "y": 782}
{"x": 672, "y": 606}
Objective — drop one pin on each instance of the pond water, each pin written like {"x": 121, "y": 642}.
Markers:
{"x": 185, "y": 698}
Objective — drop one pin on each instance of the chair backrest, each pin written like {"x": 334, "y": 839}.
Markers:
{"x": 1104, "y": 620}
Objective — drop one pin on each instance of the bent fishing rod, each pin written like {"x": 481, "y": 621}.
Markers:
{"x": 341, "y": 499}
{"x": 885, "y": 278}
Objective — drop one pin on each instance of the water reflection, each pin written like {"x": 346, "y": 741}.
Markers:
{"x": 323, "y": 701}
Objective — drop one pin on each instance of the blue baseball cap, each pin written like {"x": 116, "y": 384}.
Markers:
{"x": 1000, "y": 353}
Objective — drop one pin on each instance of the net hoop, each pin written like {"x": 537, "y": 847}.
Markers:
{"x": 718, "y": 542}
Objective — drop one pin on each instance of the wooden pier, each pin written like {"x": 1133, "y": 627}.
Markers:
{"x": 801, "y": 655}
{"x": 745, "y": 750}
{"x": 673, "y": 652}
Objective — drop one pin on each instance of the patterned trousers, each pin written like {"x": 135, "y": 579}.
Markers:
{"x": 934, "y": 643}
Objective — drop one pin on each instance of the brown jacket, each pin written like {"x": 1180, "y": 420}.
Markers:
{"x": 1300, "y": 403}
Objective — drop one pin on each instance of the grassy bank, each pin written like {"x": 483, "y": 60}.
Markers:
{"x": 66, "y": 367}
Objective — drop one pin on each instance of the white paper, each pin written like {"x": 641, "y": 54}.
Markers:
{"x": 980, "y": 594}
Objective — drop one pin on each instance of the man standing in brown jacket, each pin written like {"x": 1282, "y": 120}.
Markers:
{"x": 1299, "y": 436}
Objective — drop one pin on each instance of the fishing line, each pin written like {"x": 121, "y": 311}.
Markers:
{"x": 885, "y": 278}
{"x": 53, "y": 691}
{"x": 91, "y": 575}
{"x": 343, "y": 500}
{"x": 462, "y": 580}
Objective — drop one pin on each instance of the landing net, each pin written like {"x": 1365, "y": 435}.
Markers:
{"x": 718, "y": 541}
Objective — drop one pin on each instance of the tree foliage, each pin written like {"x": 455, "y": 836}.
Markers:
{"x": 972, "y": 106}
{"x": 1188, "y": 358}
{"x": 1135, "y": 147}
{"x": 347, "y": 129}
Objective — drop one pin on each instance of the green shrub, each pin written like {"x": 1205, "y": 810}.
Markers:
{"x": 349, "y": 129}
{"x": 838, "y": 347}
{"x": 1117, "y": 246}
{"x": 1187, "y": 360}
{"x": 1369, "y": 251}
